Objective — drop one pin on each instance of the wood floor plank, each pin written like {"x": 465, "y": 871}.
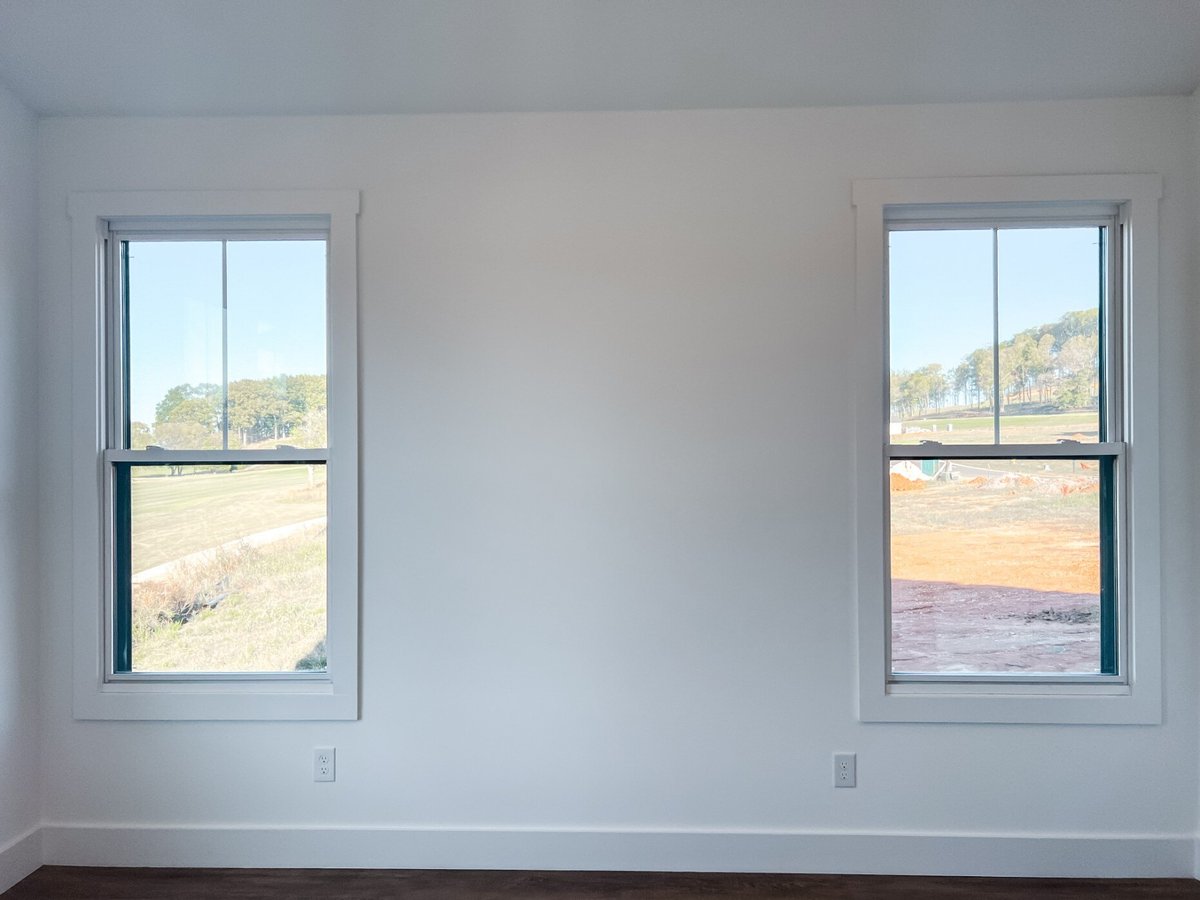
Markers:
{"x": 78, "y": 883}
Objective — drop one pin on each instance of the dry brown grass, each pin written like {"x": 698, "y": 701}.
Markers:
{"x": 188, "y": 588}
{"x": 258, "y": 609}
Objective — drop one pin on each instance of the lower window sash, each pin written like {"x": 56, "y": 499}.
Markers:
{"x": 1004, "y": 567}
{"x": 218, "y": 568}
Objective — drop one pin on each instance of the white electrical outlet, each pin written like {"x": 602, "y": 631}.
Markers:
{"x": 324, "y": 764}
{"x": 845, "y": 770}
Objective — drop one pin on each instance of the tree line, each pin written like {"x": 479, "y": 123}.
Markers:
{"x": 1055, "y": 365}
{"x": 280, "y": 408}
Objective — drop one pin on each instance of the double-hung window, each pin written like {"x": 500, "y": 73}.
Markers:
{"x": 224, "y": 445}
{"x": 1012, "y": 552}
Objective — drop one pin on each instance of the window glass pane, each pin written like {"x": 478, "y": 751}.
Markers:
{"x": 996, "y": 566}
{"x": 940, "y": 297}
{"x": 277, "y": 370}
{"x": 227, "y": 565}
{"x": 1050, "y": 284}
{"x": 175, "y": 370}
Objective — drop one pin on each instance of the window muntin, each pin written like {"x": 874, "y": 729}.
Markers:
{"x": 218, "y": 372}
{"x": 1003, "y": 556}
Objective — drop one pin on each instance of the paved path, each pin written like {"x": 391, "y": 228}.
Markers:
{"x": 202, "y": 556}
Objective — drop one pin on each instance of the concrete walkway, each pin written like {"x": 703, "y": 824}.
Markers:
{"x": 203, "y": 556}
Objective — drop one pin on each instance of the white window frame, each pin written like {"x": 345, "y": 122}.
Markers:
{"x": 1135, "y": 697}
{"x": 99, "y": 693}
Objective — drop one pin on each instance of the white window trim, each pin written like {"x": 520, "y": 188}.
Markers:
{"x": 96, "y": 694}
{"x": 1138, "y": 700}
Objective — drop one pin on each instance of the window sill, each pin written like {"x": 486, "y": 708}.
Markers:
{"x": 1031, "y": 704}
{"x": 265, "y": 700}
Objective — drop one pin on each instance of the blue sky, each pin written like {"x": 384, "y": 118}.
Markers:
{"x": 940, "y": 293}
{"x": 276, "y": 297}
{"x": 940, "y": 287}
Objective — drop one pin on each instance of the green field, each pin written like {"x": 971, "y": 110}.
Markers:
{"x": 270, "y": 618}
{"x": 249, "y": 606}
{"x": 174, "y": 515}
{"x": 1014, "y": 429}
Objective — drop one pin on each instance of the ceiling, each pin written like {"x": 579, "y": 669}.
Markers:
{"x": 244, "y": 57}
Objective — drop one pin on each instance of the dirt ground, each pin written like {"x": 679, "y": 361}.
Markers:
{"x": 1010, "y": 580}
{"x": 945, "y": 627}
{"x": 1041, "y": 559}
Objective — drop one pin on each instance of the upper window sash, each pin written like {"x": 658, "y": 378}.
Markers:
{"x": 118, "y": 232}
{"x": 1008, "y": 215}
{"x": 205, "y": 227}
{"x": 1110, "y": 217}
{"x": 223, "y": 234}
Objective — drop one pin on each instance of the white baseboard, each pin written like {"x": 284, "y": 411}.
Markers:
{"x": 19, "y": 858}
{"x": 1079, "y": 856}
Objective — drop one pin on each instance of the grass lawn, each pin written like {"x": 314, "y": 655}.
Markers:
{"x": 242, "y": 608}
{"x": 181, "y": 514}
{"x": 269, "y": 614}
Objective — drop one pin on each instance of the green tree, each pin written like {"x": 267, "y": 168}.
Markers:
{"x": 313, "y": 430}
{"x": 249, "y": 405}
{"x": 272, "y": 409}
{"x": 1043, "y": 367}
{"x": 140, "y": 435}
{"x": 1079, "y": 323}
{"x": 186, "y": 436}
{"x": 981, "y": 376}
{"x": 198, "y": 404}
{"x": 1079, "y": 362}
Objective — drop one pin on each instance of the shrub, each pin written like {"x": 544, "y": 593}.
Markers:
{"x": 189, "y": 588}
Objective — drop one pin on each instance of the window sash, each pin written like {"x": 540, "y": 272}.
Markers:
{"x": 1063, "y": 450}
{"x": 1112, "y": 222}
{"x": 184, "y": 228}
{"x": 1110, "y": 451}
{"x": 116, "y": 238}
{"x": 209, "y": 457}
{"x": 118, "y": 596}
{"x": 1114, "y": 625}
{"x": 943, "y": 219}
{"x": 118, "y": 457}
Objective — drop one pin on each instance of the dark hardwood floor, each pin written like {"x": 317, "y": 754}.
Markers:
{"x": 69, "y": 883}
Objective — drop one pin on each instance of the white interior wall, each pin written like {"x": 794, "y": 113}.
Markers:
{"x": 1195, "y": 337}
{"x": 607, "y": 547}
{"x": 19, "y": 800}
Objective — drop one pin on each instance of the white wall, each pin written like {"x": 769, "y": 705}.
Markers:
{"x": 606, "y": 515}
{"x": 19, "y": 800}
{"x": 1195, "y": 342}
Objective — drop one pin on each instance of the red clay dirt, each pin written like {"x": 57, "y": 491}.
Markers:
{"x": 997, "y": 600}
